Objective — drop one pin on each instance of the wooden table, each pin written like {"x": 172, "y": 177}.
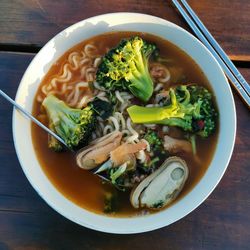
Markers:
{"x": 27, "y": 222}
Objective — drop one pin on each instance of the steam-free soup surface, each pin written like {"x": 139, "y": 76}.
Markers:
{"x": 81, "y": 186}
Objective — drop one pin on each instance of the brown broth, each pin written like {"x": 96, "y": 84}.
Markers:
{"x": 82, "y": 187}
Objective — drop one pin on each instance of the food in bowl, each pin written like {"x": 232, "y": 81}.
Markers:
{"x": 137, "y": 109}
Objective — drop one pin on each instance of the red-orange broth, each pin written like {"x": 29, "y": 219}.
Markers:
{"x": 81, "y": 186}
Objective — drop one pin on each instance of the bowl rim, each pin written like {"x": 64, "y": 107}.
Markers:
{"x": 121, "y": 230}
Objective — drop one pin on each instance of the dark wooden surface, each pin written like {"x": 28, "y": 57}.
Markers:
{"x": 31, "y": 23}
{"x": 27, "y": 222}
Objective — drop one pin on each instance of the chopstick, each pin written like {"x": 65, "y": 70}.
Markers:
{"x": 240, "y": 84}
{"x": 31, "y": 117}
{"x": 217, "y": 47}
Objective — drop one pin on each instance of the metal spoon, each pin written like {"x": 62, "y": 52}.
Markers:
{"x": 32, "y": 118}
{"x": 27, "y": 114}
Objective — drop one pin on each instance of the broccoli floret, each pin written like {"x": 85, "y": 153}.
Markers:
{"x": 153, "y": 139}
{"x": 54, "y": 144}
{"x": 74, "y": 126}
{"x": 126, "y": 67}
{"x": 207, "y": 122}
{"x": 191, "y": 108}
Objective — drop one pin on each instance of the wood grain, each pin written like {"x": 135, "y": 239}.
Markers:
{"x": 27, "y": 222}
{"x": 29, "y": 24}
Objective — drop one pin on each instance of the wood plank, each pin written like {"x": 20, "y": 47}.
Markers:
{"x": 228, "y": 21}
{"x": 27, "y": 222}
{"x": 34, "y": 22}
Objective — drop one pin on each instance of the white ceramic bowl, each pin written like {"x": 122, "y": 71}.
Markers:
{"x": 127, "y": 22}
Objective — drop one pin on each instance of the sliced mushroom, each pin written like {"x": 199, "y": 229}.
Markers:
{"x": 98, "y": 150}
{"x": 173, "y": 145}
{"x": 161, "y": 187}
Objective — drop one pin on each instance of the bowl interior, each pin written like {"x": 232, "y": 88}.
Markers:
{"x": 123, "y": 22}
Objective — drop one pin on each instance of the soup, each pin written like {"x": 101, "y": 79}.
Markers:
{"x": 74, "y": 80}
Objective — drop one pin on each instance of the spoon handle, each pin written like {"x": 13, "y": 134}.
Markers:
{"x": 27, "y": 114}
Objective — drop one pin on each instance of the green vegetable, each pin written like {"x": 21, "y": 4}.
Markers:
{"x": 151, "y": 164}
{"x": 102, "y": 108}
{"x": 53, "y": 143}
{"x": 110, "y": 202}
{"x": 192, "y": 139}
{"x": 153, "y": 139}
{"x": 208, "y": 112}
{"x": 74, "y": 126}
{"x": 126, "y": 67}
{"x": 191, "y": 108}
{"x": 159, "y": 204}
{"x": 115, "y": 173}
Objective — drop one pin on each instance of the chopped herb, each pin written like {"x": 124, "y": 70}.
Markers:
{"x": 153, "y": 139}
{"x": 152, "y": 162}
{"x": 193, "y": 143}
{"x": 192, "y": 139}
{"x": 110, "y": 202}
{"x": 115, "y": 173}
{"x": 158, "y": 204}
